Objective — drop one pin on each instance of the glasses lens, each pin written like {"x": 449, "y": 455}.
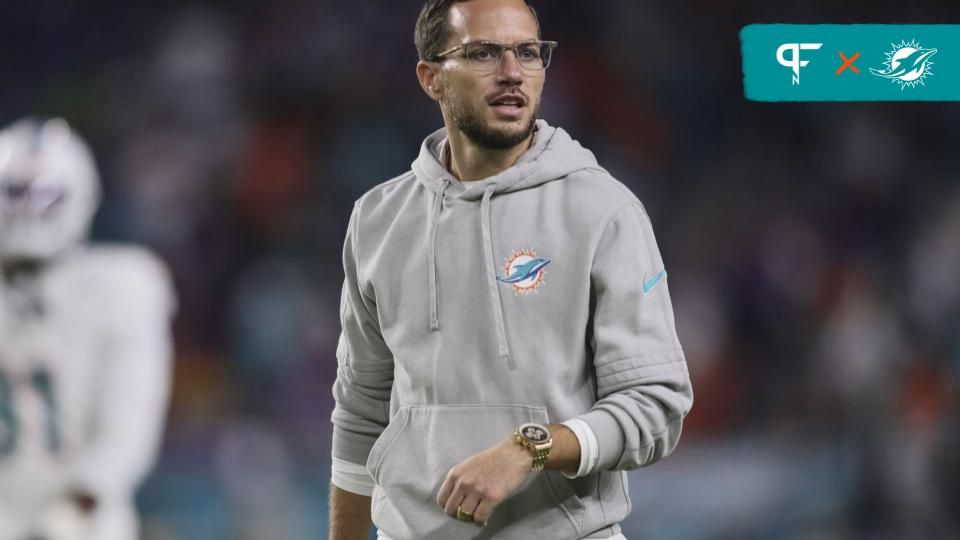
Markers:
{"x": 530, "y": 55}
{"x": 483, "y": 56}
{"x": 546, "y": 54}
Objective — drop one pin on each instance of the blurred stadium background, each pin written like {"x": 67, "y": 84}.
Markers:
{"x": 813, "y": 249}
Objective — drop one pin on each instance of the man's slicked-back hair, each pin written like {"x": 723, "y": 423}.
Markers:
{"x": 432, "y": 30}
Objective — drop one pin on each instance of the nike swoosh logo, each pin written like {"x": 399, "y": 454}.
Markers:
{"x": 649, "y": 284}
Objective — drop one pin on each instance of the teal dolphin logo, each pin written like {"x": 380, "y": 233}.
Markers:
{"x": 649, "y": 284}
{"x": 525, "y": 271}
{"x": 908, "y": 64}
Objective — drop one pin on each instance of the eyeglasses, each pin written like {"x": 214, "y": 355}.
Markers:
{"x": 487, "y": 56}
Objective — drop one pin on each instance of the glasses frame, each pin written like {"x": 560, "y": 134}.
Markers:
{"x": 515, "y": 47}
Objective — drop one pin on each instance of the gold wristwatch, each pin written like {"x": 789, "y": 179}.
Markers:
{"x": 537, "y": 440}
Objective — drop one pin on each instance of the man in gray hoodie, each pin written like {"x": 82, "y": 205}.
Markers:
{"x": 508, "y": 349}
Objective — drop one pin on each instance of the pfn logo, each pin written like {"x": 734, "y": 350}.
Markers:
{"x": 794, "y": 62}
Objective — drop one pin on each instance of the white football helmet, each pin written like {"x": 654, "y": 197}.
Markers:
{"x": 49, "y": 189}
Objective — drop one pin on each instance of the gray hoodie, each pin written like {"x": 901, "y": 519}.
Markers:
{"x": 536, "y": 295}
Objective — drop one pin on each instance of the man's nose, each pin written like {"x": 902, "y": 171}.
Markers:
{"x": 509, "y": 66}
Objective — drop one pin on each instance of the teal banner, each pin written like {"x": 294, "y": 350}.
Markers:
{"x": 855, "y": 62}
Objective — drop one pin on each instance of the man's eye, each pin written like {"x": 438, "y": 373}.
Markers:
{"x": 529, "y": 54}
{"x": 482, "y": 55}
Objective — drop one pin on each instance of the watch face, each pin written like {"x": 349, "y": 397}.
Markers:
{"x": 534, "y": 433}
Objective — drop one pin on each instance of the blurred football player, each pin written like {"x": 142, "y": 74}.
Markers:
{"x": 84, "y": 348}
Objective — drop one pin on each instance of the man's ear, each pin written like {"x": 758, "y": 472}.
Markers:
{"x": 428, "y": 73}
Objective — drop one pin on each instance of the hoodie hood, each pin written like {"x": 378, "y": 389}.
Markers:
{"x": 552, "y": 156}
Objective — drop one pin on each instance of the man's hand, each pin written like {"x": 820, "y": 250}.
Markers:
{"x": 484, "y": 480}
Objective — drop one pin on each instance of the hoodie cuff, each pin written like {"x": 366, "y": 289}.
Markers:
{"x": 351, "y": 477}
{"x": 589, "y": 453}
{"x": 609, "y": 437}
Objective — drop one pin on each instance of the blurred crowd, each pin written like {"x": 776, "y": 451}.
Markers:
{"x": 813, "y": 249}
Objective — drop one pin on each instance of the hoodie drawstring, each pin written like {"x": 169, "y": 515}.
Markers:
{"x": 493, "y": 286}
{"x": 432, "y": 255}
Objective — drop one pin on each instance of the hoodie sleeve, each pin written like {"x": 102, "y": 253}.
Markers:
{"x": 364, "y": 365}
{"x": 643, "y": 387}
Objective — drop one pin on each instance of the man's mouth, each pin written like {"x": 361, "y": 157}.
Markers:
{"x": 510, "y": 105}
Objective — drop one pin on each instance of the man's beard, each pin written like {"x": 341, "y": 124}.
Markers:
{"x": 470, "y": 123}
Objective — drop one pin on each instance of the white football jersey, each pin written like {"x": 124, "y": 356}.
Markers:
{"x": 85, "y": 361}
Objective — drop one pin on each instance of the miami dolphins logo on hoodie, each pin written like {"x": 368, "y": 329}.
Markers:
{"x": 524, "y": 271}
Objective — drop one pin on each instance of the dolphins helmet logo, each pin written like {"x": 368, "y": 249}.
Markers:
{"x": 524, "y": 271}
{"x": 907, "y": 64}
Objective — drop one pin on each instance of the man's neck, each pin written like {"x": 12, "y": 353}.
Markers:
{"x": 468, "y": 162}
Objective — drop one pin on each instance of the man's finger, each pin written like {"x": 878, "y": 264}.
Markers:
{"x": 453, "y": 503}
{"x": 482, "y": 514}
{"x": 455, "y": 500}
{"x": 470, "y": 503}
{"x": 445, "y": 490}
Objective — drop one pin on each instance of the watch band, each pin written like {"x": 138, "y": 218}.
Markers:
{"x": 539, "y": 449}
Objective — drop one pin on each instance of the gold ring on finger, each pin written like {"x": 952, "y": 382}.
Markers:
{"x": 463, "y": 515}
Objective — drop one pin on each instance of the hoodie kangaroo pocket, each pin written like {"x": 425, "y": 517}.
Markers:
{"x": 412, "y": 457}
{"x": 387, "y": 437}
